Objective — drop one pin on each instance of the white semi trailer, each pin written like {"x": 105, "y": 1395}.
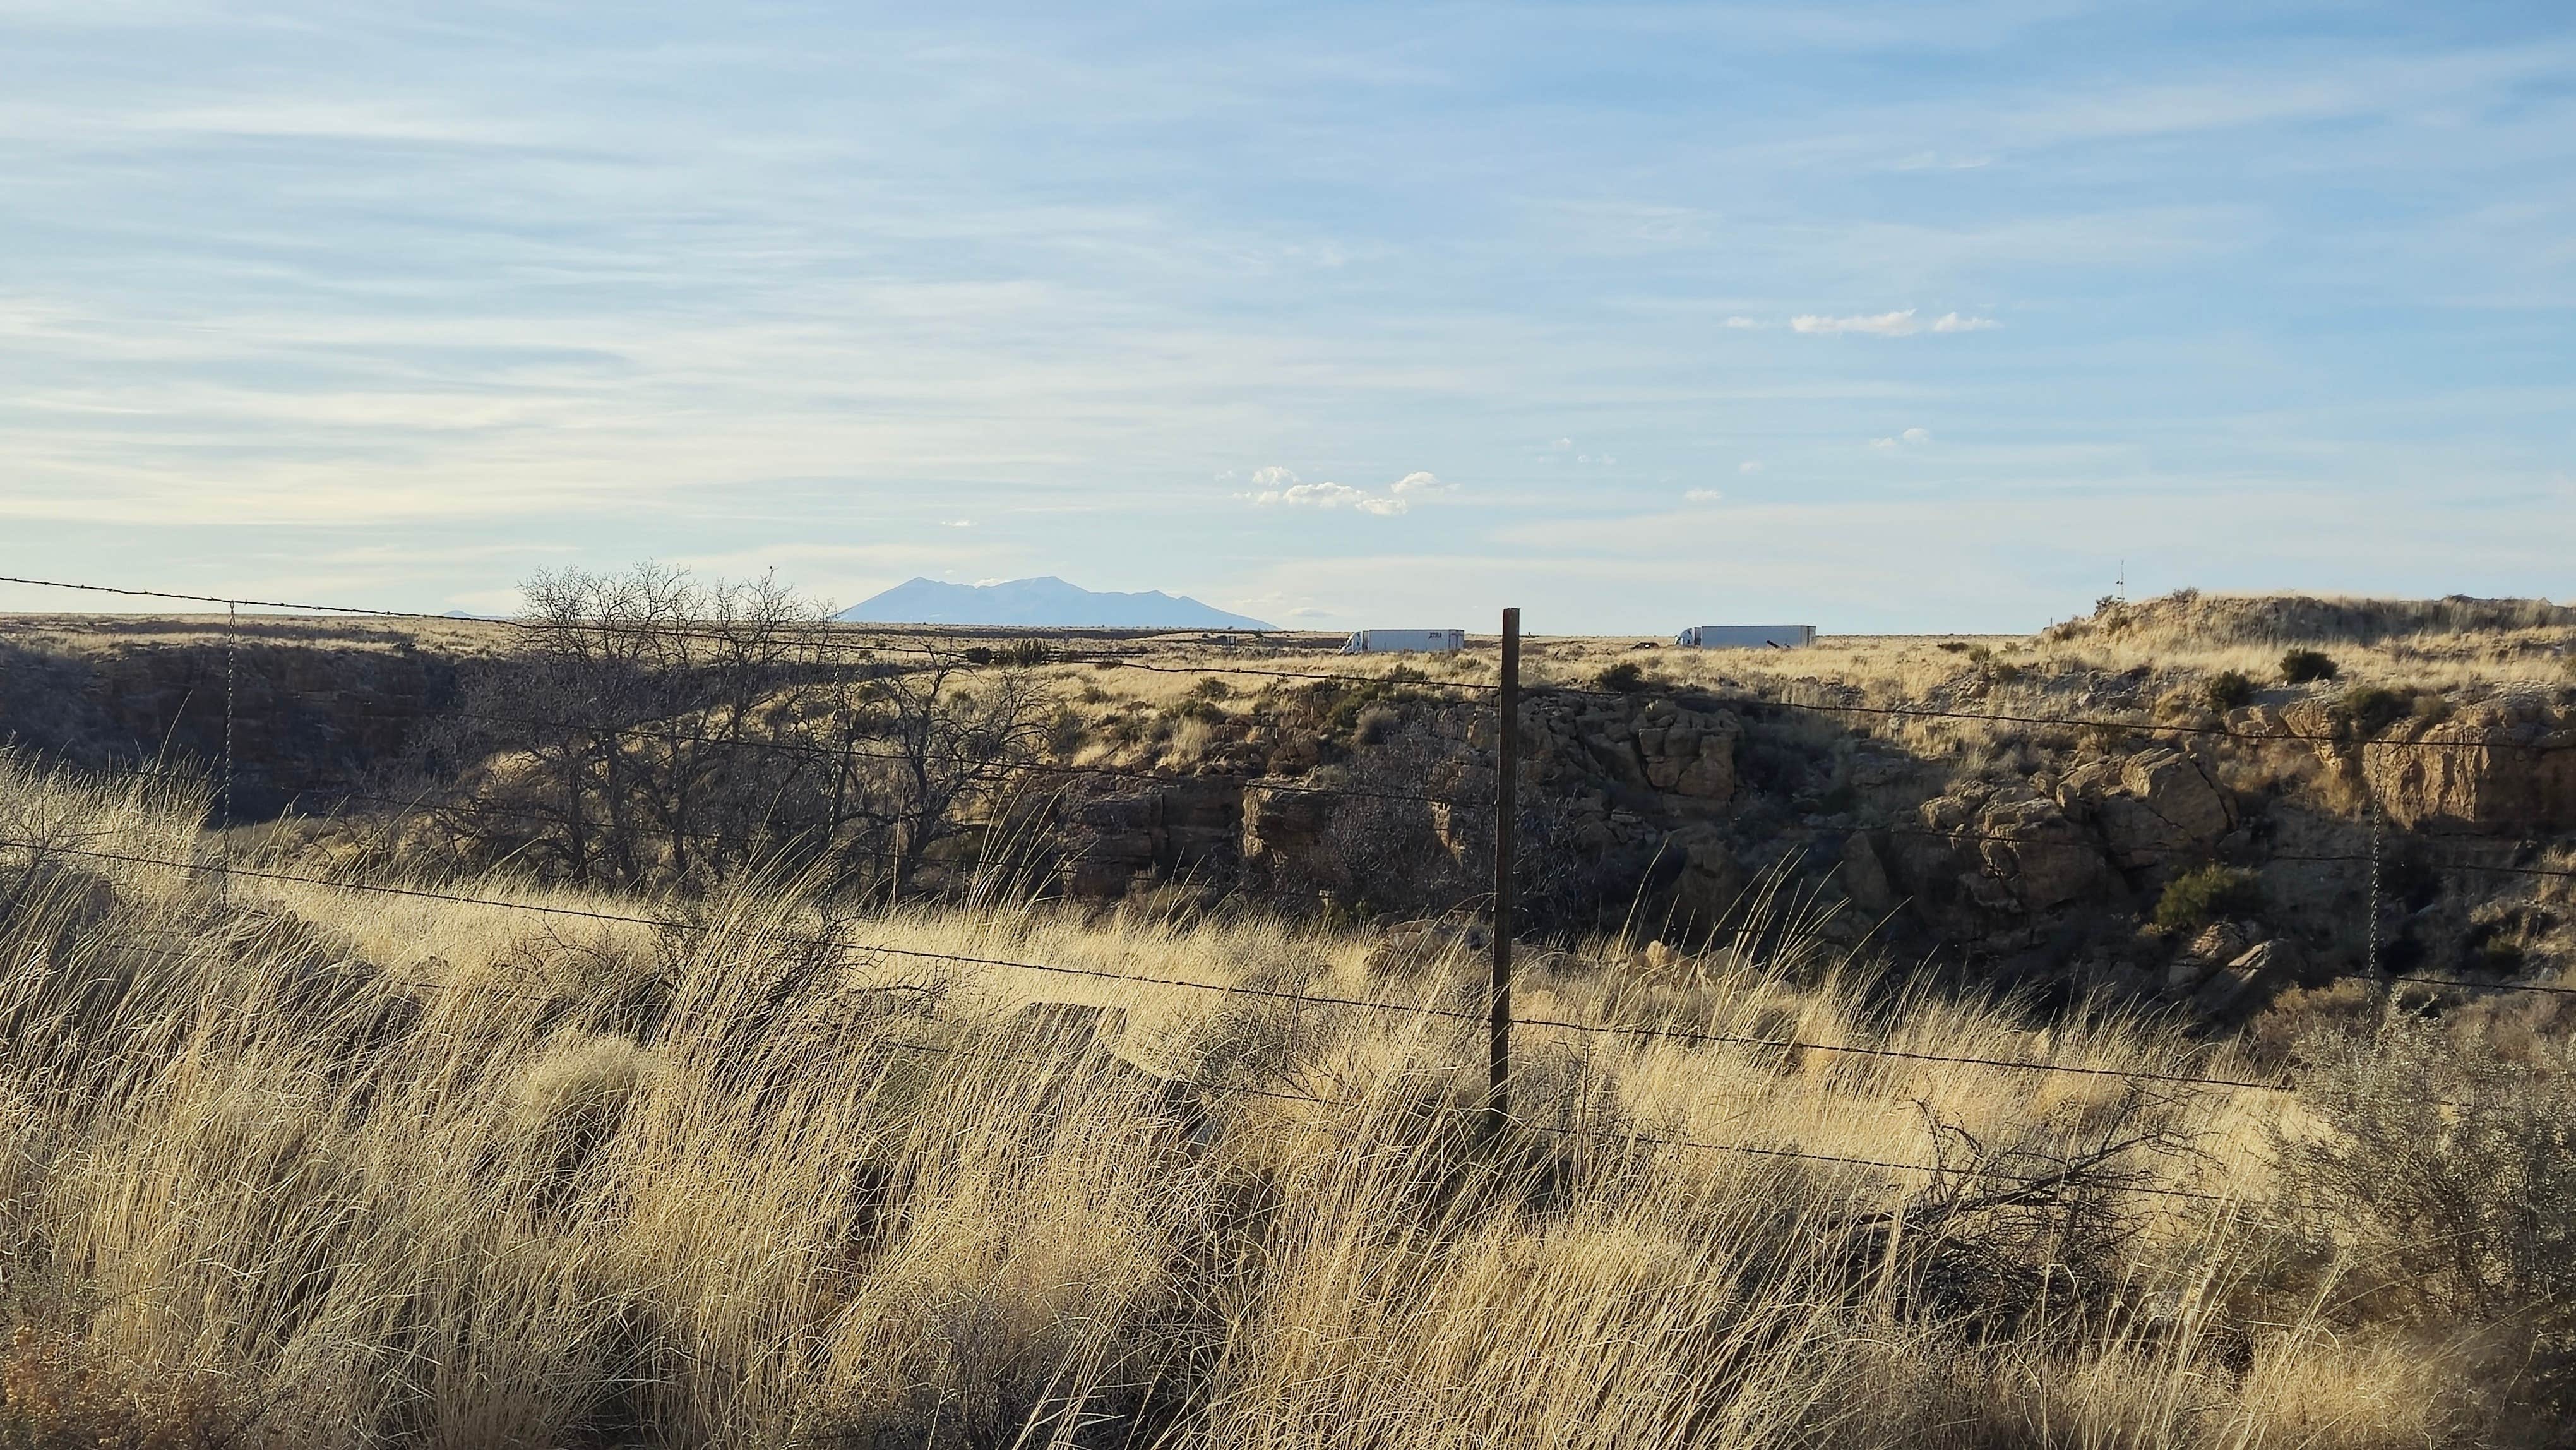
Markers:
{"x": 1405, "y": 641}
{"x": 1747, "y": 636}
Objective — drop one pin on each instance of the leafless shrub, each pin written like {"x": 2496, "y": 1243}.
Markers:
{"x": 2033, "y": 1232}
{"x": 663, "y": 731}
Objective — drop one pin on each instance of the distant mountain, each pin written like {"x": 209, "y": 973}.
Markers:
{"x": 1042, "y": 603}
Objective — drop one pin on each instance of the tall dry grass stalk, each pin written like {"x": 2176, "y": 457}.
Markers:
{"x": 323, "y": 1168}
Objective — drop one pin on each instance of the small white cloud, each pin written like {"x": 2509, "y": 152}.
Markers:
{"x": 1330, "y": 495}
{"x": 1327, "y": 495}
{"x": 1742, "y": 324}
{"x": 1273, "y": 477}
{"x": 1884, "y": 324}
{"x": 958, "y": 524}
{"x": 1910, "y": 438}
{"x": 1564, "y": 442}
{"x": 1916, "y": 435}
{"x": 1750, "y": 465}
{"x": 1882, "y": 443}
{"x": 1892, "y": 324}
{"x": 1705, "y": 495}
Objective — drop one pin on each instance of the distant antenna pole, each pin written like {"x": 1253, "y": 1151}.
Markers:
{"x": 2120, "y": 586}
{"x": 1507, "y": 774}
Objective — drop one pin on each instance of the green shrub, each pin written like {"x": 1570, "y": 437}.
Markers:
{"x": 2207, "y": 893}
{"x": 2371, "y": 709}
{"x": 2305, "y": 666}
{"x": 1623, "y": 677}
{"x": 2230, "y": 691}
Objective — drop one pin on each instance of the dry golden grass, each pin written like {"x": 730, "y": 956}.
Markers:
{"x": 321, "y": 1167}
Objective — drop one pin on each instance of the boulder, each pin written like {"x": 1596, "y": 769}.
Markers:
{"x": 2217, "y": 943}
{"x": 1864, "y": 876}
{"x": 2249, "y": 980}
{"x": 2043, "y": 859}
{"x": 2220, "y": 941}
{"x": 2152, "y": 808}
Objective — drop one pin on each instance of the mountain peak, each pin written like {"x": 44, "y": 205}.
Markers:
{"x": 1043, "y": 602}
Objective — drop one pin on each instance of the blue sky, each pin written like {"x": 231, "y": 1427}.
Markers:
{"x": 1901, "y": 316}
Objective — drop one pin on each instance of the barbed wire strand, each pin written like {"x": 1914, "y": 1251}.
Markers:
{"x": 1220, "y": 988}
{"x": 1636, "y": 1139}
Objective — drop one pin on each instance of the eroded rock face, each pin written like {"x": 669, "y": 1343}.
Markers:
{"x": 1282, "y": 824}
{"x": 2045, "y": 859}
{"x": 1682, "y": 754}
{"x": 306, "y": 719}
{"x": 1864, "y": 875}
{"x": 1688, "y": 752}
{"x": 2498, "y": 771}
{"x": 1711, "y": 879}
{"x": 1117, "y": 838}
{"x": 2153, "y": 809}
{"x": 2019, "y": 851}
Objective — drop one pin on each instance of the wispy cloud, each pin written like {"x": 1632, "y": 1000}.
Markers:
{"x": 1326, "y": 495}
{"x": 1287, "y": 491}
{"x": 1890, "y": 324}
{"x": 1750, "y": 465}
{"x": 1705, "y": 495}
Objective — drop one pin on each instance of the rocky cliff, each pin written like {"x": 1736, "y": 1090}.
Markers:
{"x": 307, "y": 718}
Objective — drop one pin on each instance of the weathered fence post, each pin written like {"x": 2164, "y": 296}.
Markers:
{"x": 1507, "y": 762}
